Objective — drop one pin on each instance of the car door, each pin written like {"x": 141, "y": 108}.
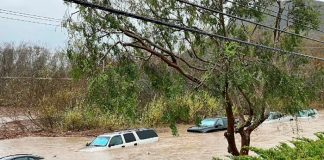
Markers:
{"x": 116, "y": 142}
{"x": 130, "y": 139}
{"x": 219, "y": 124}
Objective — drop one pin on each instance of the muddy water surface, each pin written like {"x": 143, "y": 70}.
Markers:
{"x": 188, "y": 146}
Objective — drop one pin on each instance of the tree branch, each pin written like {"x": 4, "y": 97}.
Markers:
{"x": 161, "y": 56}
{"x": 168, "y": 52}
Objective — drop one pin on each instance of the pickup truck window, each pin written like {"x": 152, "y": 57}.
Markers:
{"x": 145, "y": 134}
{"x": 116, "y": 140}
{"x": 129, "y": 137}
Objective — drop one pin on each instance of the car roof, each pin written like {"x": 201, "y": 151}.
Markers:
{"x": 215, "y": 118}
{"x": 19, "y": 155}
{"x": 124, "y": 131}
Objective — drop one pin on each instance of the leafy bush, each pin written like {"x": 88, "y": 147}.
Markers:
{"x": 91, "y": 117}
{"x": 50, "y": 109}
{"x": 73, "y": 120}
{"x": 49, "y": 116}
{"x": 181, "y": 109}
{"x": 301, "y": 149}
{"x": 116, "y": 90}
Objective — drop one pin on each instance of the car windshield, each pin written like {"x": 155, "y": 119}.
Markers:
{"x": 208, "y": 122}
{"x": 100, "y": 141}
{"x": 306, "y": 113}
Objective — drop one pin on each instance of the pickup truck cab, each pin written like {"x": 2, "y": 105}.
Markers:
{"x": 122, "y": 139}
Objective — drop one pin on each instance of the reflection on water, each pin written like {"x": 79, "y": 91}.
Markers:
{"x": 190, "y": 146}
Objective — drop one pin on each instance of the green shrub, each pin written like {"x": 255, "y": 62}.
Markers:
{"x": 73, "y": 120}
{"x": 48, "y": 116}
{"x": 301, "y": 149}
{"x": 51, "y": 109}
{"x": 155, "y": 111}
{"x": 186, "y": 108}
{"x": 92, "y": 117}
{"x": 116, "y": 90}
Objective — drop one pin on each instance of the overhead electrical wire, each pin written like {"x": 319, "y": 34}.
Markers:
{"x": 285, "y": 19}
{"x": 31, "y": 15}
{"x": 26, "y": 16}
{"x": 35, "y": 22}
{"x": 249, "y": 21}
{"x": 284, "y": 9}
{"x": 183, "y": 28}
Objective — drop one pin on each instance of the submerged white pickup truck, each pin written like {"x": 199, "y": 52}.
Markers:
{"x": 121, "y": 139}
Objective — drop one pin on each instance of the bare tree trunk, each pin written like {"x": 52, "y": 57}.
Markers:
{"x": 229, "y": 134}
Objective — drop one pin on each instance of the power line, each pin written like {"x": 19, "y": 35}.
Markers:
{"x": 32, "y": 15}
{"x": 285, "y": 19}
{"x": 26, "y": 16}
{"x": 35, "y": 22}
{"x": 197, "y": 31}
{"x": 249, "y": 21}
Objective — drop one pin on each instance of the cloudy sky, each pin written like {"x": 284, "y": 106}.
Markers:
{"x": 18, "y": 31}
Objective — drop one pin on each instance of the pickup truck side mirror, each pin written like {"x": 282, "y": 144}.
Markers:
{"x": 109, "y": 145}
{"x": 217, "y": 125}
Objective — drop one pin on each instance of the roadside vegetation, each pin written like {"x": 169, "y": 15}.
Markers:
{"x": 299, "y": 149}
{"x": 35, "y": 83}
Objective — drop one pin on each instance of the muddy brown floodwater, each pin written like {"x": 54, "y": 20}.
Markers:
{"x": 188, "y": 146}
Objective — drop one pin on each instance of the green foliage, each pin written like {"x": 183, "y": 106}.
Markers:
{"x": 163, "y": 81}
{"x": 314, "y": 84}
{"x": 116, "y": 89}
{"x": 50, "y": 109}
{"x": 303, "y": 148}
{"x": 84, "y": 117}
{"x": 49, "y": 116}
{"x": 187, "y": 108}
{"x": 306, "y": 13}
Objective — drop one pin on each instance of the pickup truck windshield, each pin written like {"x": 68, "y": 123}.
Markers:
{"x": 208, "y": 122}
{"x": 100, "y": 141}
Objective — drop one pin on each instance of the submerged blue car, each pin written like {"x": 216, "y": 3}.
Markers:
{"x": 210, "y": 125}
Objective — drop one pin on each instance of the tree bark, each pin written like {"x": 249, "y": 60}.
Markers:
{"x": 245, "y": 142}
{"x": 276, "y": 36}
{"x": 229, "y": 134}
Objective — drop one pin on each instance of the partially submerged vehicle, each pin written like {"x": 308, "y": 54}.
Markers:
{"x": 210, "y": 125}
{"x": 22, "y": 157}
{"x": 307, "y": 113}
{"x": 122, "y": 139}
{"x": 303, "y": 114}
{"x": 278, "y": 117}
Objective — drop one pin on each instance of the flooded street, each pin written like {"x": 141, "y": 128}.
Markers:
{"x": 190, "y": 146}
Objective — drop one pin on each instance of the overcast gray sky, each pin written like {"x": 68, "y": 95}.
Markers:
{"x": 17, "y": 31}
